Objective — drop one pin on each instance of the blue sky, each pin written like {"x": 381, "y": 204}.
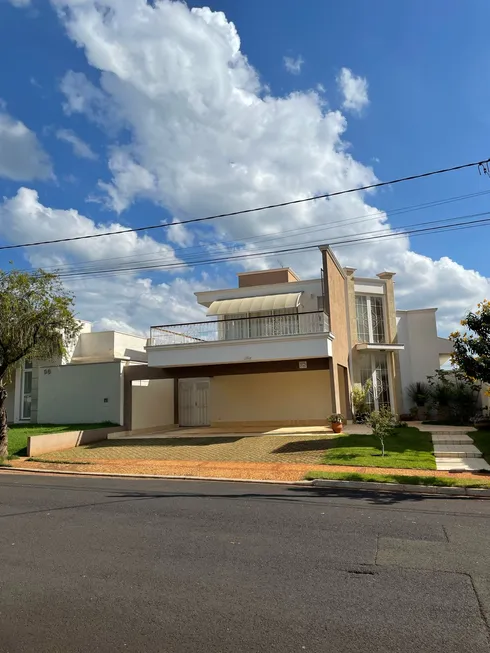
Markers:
{"x": 425, "y": 108}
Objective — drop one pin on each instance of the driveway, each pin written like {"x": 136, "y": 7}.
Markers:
{"x": 118, "y": 565}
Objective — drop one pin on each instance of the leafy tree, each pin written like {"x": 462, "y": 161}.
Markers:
{"x": 36, "y": 322}
{"x": 383, "y": 423}
{"x": 472, "y": 347}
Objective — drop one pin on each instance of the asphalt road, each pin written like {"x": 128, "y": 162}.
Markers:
{"x": 92, "y": 564}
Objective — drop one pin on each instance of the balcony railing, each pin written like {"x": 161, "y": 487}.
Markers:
{"x": 243, "y": 328}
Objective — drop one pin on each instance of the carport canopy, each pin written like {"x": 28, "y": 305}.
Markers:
{"x": 255, "y": 304}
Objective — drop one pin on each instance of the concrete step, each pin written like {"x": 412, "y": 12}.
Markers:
{"x": 462, "y": 431}
{"x": 457, "y": 451}
{"x": 462, "y": 464}
{"x": 452, "y": 439}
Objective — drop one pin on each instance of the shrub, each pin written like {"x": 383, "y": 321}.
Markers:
{"x": 419, "y": 393}
{"x": 454, "y": 397}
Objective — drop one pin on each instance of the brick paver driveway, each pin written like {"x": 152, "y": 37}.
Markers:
{"x": 268, "y": 449}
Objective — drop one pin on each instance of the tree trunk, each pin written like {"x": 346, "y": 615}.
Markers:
{"x": 3, "y": 423}
{"x": 382, "y": 447}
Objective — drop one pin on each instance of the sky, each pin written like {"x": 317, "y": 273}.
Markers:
{"x": 123, "y": 113}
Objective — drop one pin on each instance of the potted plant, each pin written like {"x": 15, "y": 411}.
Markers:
{"x": 336, "y": 420}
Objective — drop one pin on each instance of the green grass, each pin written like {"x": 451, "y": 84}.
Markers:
{"x": 408, "y": 448}
{"x": 440, "y": 481}
{"x": 18, "y": 433}
{"x": 482, "y": 442}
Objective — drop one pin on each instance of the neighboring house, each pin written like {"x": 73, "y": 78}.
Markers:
{"x": 424, "y": 350}
{"x": 279, "y": 350}
{"x": 85, "y": 387}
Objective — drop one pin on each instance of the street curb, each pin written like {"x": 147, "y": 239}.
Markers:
{"x": 405, "y": 489}
{"x": 319, "y": 483}
{"x": 164, "y": 477}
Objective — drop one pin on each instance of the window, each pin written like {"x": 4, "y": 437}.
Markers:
{"x": 26, "y": 390}
{"x": 370, "y": 318}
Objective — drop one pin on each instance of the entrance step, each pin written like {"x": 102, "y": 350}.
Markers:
{"x": 457, "y": 451}
{"x": 462, "y": 464}
{"x": 451, "y": 438}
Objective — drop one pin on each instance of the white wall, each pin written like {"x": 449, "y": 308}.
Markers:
{"x": 317, "y": 345}
{"x": 126, "y": 345}
{"x": 76, "y": 394}
{"x": 109, "y": 345}
{"x": 153, "y": 404}
{"x": 279, "y": 397}
{"x": 417, "y": 330}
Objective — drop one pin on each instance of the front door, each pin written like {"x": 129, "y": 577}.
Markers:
{"x": 193, "y": 402}
{"x": 375, "y": 369}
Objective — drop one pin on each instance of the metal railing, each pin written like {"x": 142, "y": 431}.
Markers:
{"x": 242, "y": 328}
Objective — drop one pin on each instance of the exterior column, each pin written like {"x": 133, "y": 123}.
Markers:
{"x": 392, "y": 338}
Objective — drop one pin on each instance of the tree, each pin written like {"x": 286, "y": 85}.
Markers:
{"x": 36, "y": 322}
{"x": 472, "y": 347}
{"x": 383, "y": 423}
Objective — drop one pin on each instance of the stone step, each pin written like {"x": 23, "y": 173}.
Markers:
{"x": 462, "y": 431}
{"x": 451, "y": 439}
{"x": 462, "y": 464}
{"x": 457, "y": 451}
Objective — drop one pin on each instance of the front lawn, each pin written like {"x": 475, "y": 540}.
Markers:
{"x": 18, "y": 433}
{"x": 441, "y": 481}
{"x": 482, "y": 442}
{"x": 408, "y": 448}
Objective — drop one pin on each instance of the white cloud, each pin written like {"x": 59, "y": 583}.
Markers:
{"x": 205, "y": 137}
{"x": 354, "y": 90}
{"x": 20, "y": 3}
{"x": 125, "y": 297}
{"x": 80, "y": 148}
{"x": 180, "y": 234}
{"x": 21, "y": 154}
{"x": 293, "y": 65}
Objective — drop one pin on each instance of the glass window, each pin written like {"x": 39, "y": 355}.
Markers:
{"x": 370, "y": 319}
{"x": 362, "y": 315}
{"x": 377, "y": 319}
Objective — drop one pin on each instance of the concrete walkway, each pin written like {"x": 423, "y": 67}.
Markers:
{"x": 455, "y": 450}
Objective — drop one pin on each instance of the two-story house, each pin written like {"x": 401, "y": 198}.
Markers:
{"x": 278, "y": 350}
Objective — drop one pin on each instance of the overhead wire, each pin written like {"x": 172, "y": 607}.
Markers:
{"x": 481, "y": 165}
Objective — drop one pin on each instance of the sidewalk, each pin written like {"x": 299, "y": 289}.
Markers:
{"x": 232, "y": 470}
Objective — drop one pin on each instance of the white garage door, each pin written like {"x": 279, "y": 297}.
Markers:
{"x": 193, "y": 402}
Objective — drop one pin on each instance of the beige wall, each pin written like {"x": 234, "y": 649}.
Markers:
{"x": 280, "y": 397}
{"x": 75, "y": 394}
{"x": 266, "y": 277}
{"x": 337, "y": 303}
{"x": 153, "y": 404}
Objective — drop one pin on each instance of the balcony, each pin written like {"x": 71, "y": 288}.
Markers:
{"x": 240, "y": 339}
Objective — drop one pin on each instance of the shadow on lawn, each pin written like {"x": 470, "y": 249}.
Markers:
{"x": 402, "y": 441}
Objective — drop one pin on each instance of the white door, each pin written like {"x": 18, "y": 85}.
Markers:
{"x": 193, "y": 402}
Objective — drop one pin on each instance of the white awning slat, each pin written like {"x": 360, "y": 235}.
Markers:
{"x": 253, "y": 304}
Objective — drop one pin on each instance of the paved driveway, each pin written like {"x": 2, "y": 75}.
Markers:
{"x": 267, "y": 448}
{"x": 116, "y": 565}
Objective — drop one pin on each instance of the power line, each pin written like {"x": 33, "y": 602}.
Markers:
{"x": 482, "y": 166}
{"x": 284, "y": 234}
{"x": 336, "y": 243}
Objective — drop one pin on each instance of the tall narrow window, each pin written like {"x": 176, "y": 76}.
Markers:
{"x": 26, "y": 390}
{"x": 370, "y": 318}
